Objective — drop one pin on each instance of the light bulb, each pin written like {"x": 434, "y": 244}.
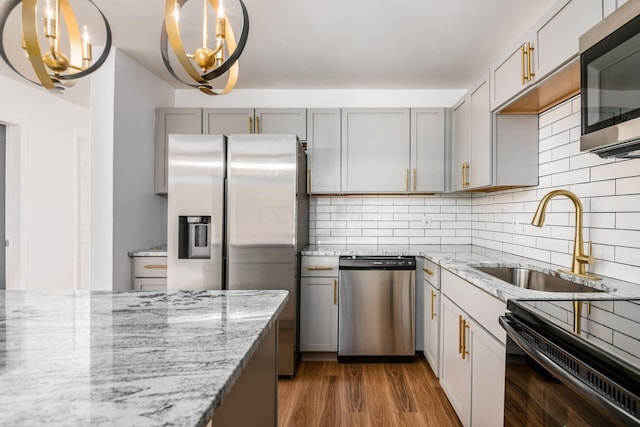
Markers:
{"x": 221, "y": 9}
{"x": 85, "y": 34}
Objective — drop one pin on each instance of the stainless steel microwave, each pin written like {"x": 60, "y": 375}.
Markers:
{"x": 610, "y": 84}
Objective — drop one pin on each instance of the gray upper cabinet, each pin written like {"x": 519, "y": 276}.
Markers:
{"x": 375, "y": 150}
{"x": 460, "y": 152}
{"x": 427, "y": 150}
{"x": 491, "y": 151}
{"x": 323, "y": 150}
{"x": 281, "y": 120}
{"x": 479, "y": 172}
{"x": 227, "y": 121}
{"x": 172, "y": 121}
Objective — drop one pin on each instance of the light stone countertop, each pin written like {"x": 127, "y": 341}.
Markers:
{"x": 126, "y": 358}
{"x": 460, "y": 260}
{"x": 160, "y": 250}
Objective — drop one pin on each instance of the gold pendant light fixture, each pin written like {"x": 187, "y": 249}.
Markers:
{"x": 53, "y": 69}
{"x": 205, "y": 63}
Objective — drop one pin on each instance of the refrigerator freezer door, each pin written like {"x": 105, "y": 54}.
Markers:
{"x": 195, "y": 189}
{"x": 261, "y": 225}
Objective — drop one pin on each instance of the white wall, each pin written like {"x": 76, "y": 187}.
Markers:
{"x": 295, "y": 98}
{"x": 41, "y": 137}
{"x": 608, "y": 189}
{"x": 126, "y": 214}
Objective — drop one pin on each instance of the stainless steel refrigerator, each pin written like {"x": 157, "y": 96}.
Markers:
{"x": 238, "y": 219}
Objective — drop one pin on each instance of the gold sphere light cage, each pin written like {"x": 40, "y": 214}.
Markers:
{"x": 205, "y": 63}
{"x": 53, "y": 69}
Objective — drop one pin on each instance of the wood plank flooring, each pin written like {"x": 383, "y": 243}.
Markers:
{"x": 330, "y": 394}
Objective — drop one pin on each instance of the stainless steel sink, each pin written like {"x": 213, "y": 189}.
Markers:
{"x": 535, "y": 280}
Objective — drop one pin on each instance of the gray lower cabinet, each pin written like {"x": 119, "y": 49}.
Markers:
{"x": 319, "y": 304}
{"x": 375, "y": 150}
{"x": 168, "y": 121}
{"x": 323, "y": 150}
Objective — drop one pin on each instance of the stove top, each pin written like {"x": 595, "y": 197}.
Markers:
{"x": 612, "y": 325}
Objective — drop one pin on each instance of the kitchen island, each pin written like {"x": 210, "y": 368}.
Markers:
{"x": 138, "y": 358}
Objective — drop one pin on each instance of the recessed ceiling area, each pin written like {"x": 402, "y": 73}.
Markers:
{"x": 348, "y": 44}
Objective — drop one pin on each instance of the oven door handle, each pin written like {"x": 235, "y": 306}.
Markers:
{"x": 560, "y": 373}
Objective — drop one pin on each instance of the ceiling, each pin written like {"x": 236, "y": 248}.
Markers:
{"x": 344, "y": 44}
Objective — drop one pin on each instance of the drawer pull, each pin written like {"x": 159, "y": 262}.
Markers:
{"x": 429, "y": 272}
{"x": 317, "y": 268}
{"x": 155, "y": 266}
{"x": 335, "y": 291}
{"x": 433, "y": 305}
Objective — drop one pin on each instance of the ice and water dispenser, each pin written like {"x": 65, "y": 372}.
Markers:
{"x": 194, "y": 237}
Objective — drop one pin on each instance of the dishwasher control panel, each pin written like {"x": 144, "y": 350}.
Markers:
{"x": 377, "y": 263}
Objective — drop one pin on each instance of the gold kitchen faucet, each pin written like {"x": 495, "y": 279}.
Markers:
{"x": 580, "y": 259}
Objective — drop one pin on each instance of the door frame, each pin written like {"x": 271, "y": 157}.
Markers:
{"x": 16, "y": 229}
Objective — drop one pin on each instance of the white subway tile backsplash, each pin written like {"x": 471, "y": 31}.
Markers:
{"x": 628, "y": 185}
{"x": 560, "y": 179}
{"x": 609, "y": 191}
{"x": 628, "y": 220}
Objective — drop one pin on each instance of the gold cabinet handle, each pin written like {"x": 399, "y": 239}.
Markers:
{"x": 335, "y": 291}
{"x": 460, "y": 334}
{"x": 319, "y": 268}
{"x": 523, "y": 67}
{"x": 406, "y": 180}
{"x": 309, "y": 181}
{"x": 465, "y": 326}
{"x": 429, "y": 272}
{"x": 155, "y": 266}
{"x": 530, "y": 73}
{"x": 257, "y": 124}
{"x": 433, "y": 305}
{"x": 250, "y": 124}
{"x": 465, "y": 175}
{"x": 414, "y": 179}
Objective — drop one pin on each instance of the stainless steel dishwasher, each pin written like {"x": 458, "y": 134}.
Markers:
{"x": 376, "y": 308}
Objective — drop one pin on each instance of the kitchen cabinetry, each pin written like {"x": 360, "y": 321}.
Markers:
{"x": 323, "y": 150}
{"x": 472, "y": 352}
{"x": 375, "y": 150}
{"x": 427, "y": 150}
{"x": 168, "y": 121}
{"x": 490, "y": 151}
{"x": 472, "y": 147}
{"x": 228, "y": 121}
{"x": 432, "y": 315}
{"x": 547, "y": 46}
{"x": 319, "y": 304}
{"x": 149, "y": 273}
{"x": 218, "y": 121}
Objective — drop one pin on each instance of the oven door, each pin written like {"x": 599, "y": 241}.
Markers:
{"x": 539, "y": 391}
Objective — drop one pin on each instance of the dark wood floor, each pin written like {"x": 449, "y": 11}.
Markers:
{"x": 332, "y": 394}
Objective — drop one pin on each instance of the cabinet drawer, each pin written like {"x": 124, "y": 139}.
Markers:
{"x": 320, "y": 266}
{"x": 150, "y": 266}
{"x": 150, "y": 284}
{"x": 431, "y": 273}
{"x": 482, "y": 307}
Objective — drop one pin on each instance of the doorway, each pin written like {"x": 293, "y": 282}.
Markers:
{"x": 3, "y": 237}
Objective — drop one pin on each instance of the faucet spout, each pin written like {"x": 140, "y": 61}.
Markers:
{"x": 580, "y": 259}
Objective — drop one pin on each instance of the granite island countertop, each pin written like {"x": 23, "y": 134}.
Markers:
{"x": 461, "y": 260}
{"x": 126, "y": 358}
